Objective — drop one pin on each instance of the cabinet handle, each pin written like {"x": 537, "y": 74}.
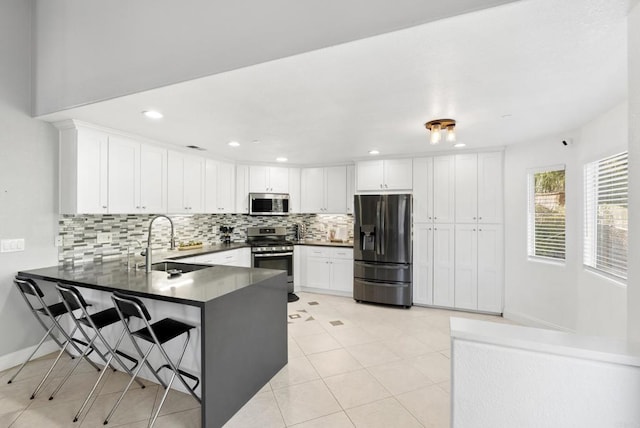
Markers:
{"x": 474, "y": 230}
{"x": 479, "y": 230}
{"x": 474, "y": 218}
{"x": 479, "y": 218}
{"x": 104, "y": 206}
{"x": 386, "y": 187}
{"x": 435, "y": 218}
{"x": 381, "y": 186}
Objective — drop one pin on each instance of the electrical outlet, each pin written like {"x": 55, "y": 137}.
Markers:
{"x": 104, "y": 237}
{"x": 59, "y": 241}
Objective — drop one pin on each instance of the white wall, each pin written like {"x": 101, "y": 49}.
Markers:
{"x": 28, "y": 177}
{"x": 561, "y": 295}
{"x": 633, "y": 303}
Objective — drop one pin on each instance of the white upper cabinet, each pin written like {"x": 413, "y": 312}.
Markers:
{"x": 83, "y": 171}
{"x": 324, "y": 190}
{"x": 220, "y": 187}
{"x": 270, "y": 179}
{"x": 294, "y": 190}
{"x": 423, "y": 190}
{"x": 443, "y": 189}
{"x": 351, "y": 187}
{"x": 242, "y": 189}
{"x": 137, "y": 177}
{"x": 186, "y": 176}
{"x": 479, "y": 188}
{"x": 383, "y": 175}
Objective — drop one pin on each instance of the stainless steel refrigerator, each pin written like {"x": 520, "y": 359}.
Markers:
{"x": 382, "y": 249}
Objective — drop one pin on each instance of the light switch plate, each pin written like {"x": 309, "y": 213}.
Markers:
{"x": 11, "y": 245}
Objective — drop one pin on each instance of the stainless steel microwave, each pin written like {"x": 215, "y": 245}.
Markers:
{"x": 268, "y": 203}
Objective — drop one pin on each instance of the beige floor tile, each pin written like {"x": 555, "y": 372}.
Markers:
{"x": 136, "y": 406}
{"x": 6, "y": 419}
{"x": 56, "y": 415}
{"x": 300, "y": 403}
{"x": 176, "y": 401}
{"x": 305, "y": 328}
{"x": 116, "y": 381}
{"x": 334, "y": 362}
{"x": 382, "y": 414}
{"x": 261, "y": 411}
{"x": 293, "y": 349}
{"x": 15, "y": 397}
{"x": 435, "y": 366}
{"x": 335, "y": 420}
{"x": 187, "y": 419}
{"x": 314, "y": 343}
{"x": 298, "y": 370}
{"x": 372, "y": 354}
{"x": 399, "y": 376}
{"x": 35, "y": 370}
{"x": 356, "y": 388}
{"x": 407, "y": 346}
{"x": 74, "y": 389}
{"x": 352, "y": 336}
{"x": 445, "y": 386}
{"x": 383, "y": 331}
{"x": 430, "y": 405}
{"x": 437, "y": 340}
{"x": 446, "y": 353}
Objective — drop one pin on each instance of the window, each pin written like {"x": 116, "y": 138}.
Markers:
{"x": 546, "y": 222}
{"x": 605, "y": 225}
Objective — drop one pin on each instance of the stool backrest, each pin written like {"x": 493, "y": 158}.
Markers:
{"x": 28, "y": 286}
{"x": 72, "y": 297}
{"x": 130, "y": 306}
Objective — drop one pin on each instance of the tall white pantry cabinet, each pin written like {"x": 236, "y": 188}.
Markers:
{"x": 458, "y": 245}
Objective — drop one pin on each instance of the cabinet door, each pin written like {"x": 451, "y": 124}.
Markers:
{"x": 423, "y": 264}
{"x": 490, "y": 187}
{"x": 294, "y": 190}
{"x": 466, "y": 276}
{"x": 443, "y": 187}
{"x": 225, "y": 187}
{"x": 258, "y": 179}
{"x": 351, "y": 187}
{"x": 422, "y": 190}
{"x": 278, "y": 179}
{"x": 153, "y": 179}
{"x": 398, "y": 174}
{"x": 242, "y": 189}
{"x": 124, "y": 175}
{"x": 312, "y": 190}
{"x": 342, "y": 275}
{"x": 369, "y": 175}
{"x": 443, "y": 264}
{"x": 175, "y": 183}
{"x": 490, "y": 268}
{"x": 466, "y": 188}
{"x": 90, "y": 162}
{"x": 211, "y": 186}
{"x": 335, "y": 189}
{"x": 318, "y": 272}
{"x": 194, "y": 184}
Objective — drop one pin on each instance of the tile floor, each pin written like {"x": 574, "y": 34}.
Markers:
{"x": 350, "y": 365}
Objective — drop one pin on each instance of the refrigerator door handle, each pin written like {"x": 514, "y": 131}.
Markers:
{"x": 378, "y": 231}
{"x": 383, "y": 211}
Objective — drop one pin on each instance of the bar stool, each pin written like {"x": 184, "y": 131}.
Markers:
{"x": 71, "y": 297}
{"x": 29, "y": 290}
{"x": 156, "y": 334}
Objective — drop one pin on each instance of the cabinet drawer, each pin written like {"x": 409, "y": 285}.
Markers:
{"x": 342, "y": 253}
{"x": 319, "y": 251}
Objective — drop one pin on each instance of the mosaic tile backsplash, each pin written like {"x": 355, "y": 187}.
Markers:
{"x": 129, "y": 231}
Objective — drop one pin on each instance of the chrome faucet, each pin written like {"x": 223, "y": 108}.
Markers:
{"x": 147, "y": 251}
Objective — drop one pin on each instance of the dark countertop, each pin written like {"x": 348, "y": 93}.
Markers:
{"x": 192, "y": 288}
{"x": 207, "y": 249}
{"x": 325, "y": 243}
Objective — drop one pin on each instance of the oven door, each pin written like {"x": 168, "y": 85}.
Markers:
{"x": 280, "y": 261}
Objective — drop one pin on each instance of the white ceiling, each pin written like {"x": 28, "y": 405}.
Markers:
{"x": 508, "y": 74}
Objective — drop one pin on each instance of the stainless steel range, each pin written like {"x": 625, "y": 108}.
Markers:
{"x": 270, "y": 249}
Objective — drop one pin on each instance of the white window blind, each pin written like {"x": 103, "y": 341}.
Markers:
{"x": 606, "y": 215}
{"x": 546, "y": 219}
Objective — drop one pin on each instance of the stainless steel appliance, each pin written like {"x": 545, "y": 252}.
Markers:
{"x": 268, "y": 203}
{"x": 382, "y": 249}
{"x": 270, "y": 249}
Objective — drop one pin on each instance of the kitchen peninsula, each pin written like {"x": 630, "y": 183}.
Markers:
{"x": 242, "y": 313}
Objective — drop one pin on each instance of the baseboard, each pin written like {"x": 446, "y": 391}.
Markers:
{"x": 530, "y": 321}
{"x": 16, "y": 358}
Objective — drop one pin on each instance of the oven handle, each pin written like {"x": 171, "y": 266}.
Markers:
{"x": 259, "y": 256}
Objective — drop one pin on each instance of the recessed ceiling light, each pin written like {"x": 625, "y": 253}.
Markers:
{"x": 152, "y": 114}
{"x": 459, "y": 145}
{"x": 233, "y": 143}
{"x": 374, "y": 152}
{"x": 281, "y": 159}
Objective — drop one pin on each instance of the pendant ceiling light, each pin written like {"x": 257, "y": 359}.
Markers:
{"x": 436, "y": 127}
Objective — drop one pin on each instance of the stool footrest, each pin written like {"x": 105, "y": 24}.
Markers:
{"x": 182, "y": 373}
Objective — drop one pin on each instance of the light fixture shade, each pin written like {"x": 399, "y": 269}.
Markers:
{"x": 437, "y": 126}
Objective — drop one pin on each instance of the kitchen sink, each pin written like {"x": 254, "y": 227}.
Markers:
{"x": 171, "y": 267}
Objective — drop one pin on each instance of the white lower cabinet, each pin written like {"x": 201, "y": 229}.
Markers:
{"x": 240, "y": 257}
{"x": 327, "y": 269}
{"x": 433, "y": 264}
{"x": 478, "y": 272}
